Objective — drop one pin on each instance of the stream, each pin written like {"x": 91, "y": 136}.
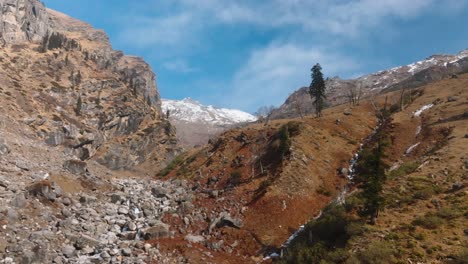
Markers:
{"x": 340, "y": 199}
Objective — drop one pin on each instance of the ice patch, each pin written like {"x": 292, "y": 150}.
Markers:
{"x": 422, "y": 109}
{"x": 418, "y": 130}
{"x": 410, "y": 149}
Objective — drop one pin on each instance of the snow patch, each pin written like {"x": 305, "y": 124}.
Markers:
{"x": 410, "y": 149}
{"x": 192, "y": 111}
{"x": 422, "y": 109}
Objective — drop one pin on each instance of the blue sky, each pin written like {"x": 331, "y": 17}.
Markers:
{"x": 246, "y": 54}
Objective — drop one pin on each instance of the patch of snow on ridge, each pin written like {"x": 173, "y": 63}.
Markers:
{"x": 192, "y": 111}
{"x": 422, "y": 109}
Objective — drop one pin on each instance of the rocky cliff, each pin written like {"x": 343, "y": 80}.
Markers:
{"x": 434, "y": 68}
{"x": 62, "y": 78}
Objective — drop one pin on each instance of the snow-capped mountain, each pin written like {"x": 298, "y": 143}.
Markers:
{"x": 416, "y": 74}
{"x": 191, "y": 111}
{"x": 197, "y": 123}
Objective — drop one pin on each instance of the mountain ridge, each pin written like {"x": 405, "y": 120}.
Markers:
{"x": 197, "y": 123}
{"x": 433, "y": 68}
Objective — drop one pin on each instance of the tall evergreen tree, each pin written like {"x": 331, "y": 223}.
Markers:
{"x": 371, "y": 170}
{"x": 317, "y": 89}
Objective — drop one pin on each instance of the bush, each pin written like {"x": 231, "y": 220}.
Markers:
{"x": 174, "y": 163}
{"x": 404, "y": 169}
{"x": 429, "y": 221}
{"x": 235, "y": 178}
{"x": 380, "y": 252}
{"x": 450, "y": 213}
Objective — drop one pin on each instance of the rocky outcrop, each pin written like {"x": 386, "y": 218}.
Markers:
{"x": 414, "y": 75}
{"x": 22, "y": 20}
{"x": 77, "y": 92}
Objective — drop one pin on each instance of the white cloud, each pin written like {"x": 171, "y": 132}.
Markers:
{"x": 172, "y": 31}
{"x": 270, "y": 74}
{"x": 179, "y": 65}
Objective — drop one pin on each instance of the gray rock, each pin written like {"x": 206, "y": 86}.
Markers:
{"x": 19, "y": 201}
{"x": 68, "y": 251}
{"x": 105, "y": 255}
{"x": 123, "y": 211}
{"x": 159, "y": 192}
{"x": 194, "y": 239}
{"x": 66, "y": 201}
{"x": 67, "y": 213}
{"x": 42, "y": 236}
{"x": 159, "y": 230}
{"x": 116, "y": 198}
{"x": 452, "y": 98}
{"x": 23, "y": 164}
{"x": 347, "y": 112}
{"x": 131, "y": 226}
{"x": 225, "y": 220}
{"x": 4, "y": 149}
{"x": 126, "y": 252}
{"x": 55, "y": 138}
{"x": 77, "y": 167}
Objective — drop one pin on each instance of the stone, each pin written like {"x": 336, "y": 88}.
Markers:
{"x": 159, "y": 230}
{"x": 194, "y": 239}
{"x": 66, "y": 201}
{"x": 123, "y": 211}
{"x": 19, "y": 201}
{"x": 132, "y": 226}
{"x": 68, "y": 251}
{"x": 347, "y": 112}
{"x": 55, "y": 138}
{"x": 452, "y": 98}
{"x": 4, "y": 149}
{"x": 105, "y": 255}
{"x": 225, "y": 220}
{"x": 457, "y": 186}
{"x": 126, "y": 252}
{"x": 77, "y": 167}
{"x": 159, "y": 192}
{"x": 67, "y": 213}
{"x": 116, "y": 198}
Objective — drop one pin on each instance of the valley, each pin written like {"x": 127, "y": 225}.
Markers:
{"x": 96, "y": 168}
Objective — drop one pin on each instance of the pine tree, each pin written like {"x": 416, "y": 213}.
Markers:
{"x": 317, "y": 89}
{"x": 371, "y": 171}
{"x": 78, "y": 107}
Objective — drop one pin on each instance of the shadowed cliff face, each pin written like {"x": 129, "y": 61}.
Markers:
{"x": 63, "y": 78}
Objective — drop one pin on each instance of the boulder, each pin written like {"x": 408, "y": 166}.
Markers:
{"x": 194, "y": 239}
{"x": 159, "y": 192}
{"x": 77, "y": 167}
{"x": 225, "y": 219}
{"x": 4, "y": 149}
{"x": 55, "y": 138}
{"x": 159, "y": 230}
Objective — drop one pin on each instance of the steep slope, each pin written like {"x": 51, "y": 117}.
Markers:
{"x": 63, "y": 78}
{"x": 264, "y": 180}
{"x": 424, "y": 215}
{"x": 197, "y": 123}
{"x": 434, "y": 68}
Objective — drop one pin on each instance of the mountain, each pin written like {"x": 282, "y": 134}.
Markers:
{"x": 196, "y": 123}
{"x": 434, "y": 68}
{"x": 272, "y": 186}
{"x": 62, "y": 78}
{"x": 91, "y": 170}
